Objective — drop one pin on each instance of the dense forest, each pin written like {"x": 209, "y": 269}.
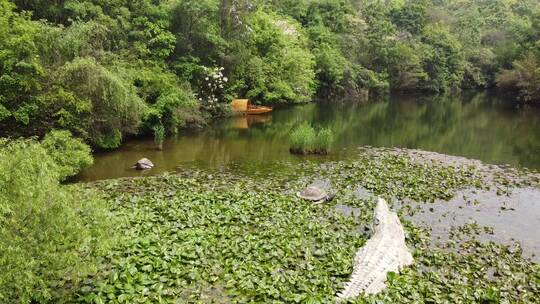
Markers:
{"x": 105, "y": 70}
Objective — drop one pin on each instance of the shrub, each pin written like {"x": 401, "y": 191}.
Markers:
{"x": 166, "y": 95}
{"x": 48, "y": 232}
{"x": 524, "y": 78}
{"x": 70, "y": 154}
{"x": 212, "y": 92}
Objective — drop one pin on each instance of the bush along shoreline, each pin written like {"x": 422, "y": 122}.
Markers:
{"x": 51, "y": 235}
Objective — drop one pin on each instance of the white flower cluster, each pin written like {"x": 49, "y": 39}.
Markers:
{"x": 214, "y": 84}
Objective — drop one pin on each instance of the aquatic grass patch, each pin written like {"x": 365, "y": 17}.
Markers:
{"x": 302, "y": 139}
{"x": 324, "y": 141}
{"x": 250, "y": 244}
{"x": 305, "y": 140}
{"x": 159, "y": 136}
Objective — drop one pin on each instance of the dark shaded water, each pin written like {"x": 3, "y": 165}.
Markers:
{"x": 477, "y": 126}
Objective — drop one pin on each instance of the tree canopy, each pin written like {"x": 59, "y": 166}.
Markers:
{"x": 107, "y": 69}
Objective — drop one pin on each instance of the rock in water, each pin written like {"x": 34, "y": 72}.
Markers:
{"x": 143, "y": 164}
{"x": 386, "y": 251}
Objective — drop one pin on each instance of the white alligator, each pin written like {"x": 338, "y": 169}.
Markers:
{"x": 385, "y": 251}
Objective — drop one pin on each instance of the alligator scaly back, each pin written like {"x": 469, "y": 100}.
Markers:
{"x": 386, "y": 251}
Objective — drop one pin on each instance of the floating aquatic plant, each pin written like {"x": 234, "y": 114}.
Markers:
{"x": 222, "y": 237}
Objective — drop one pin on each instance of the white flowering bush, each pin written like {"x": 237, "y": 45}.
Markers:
{"x": 212, "y": 91}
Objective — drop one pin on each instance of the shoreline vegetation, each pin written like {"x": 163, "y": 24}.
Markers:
{"x": 106, "y": 71}
{"x": 82, "y": 75}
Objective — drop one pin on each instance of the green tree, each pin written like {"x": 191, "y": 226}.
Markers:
{"x": 21, "y": 71}
{"x": 411, "y": 16}
{"x": 278, "y": 67}
{"x": 405, "y": 67}
{"x": 111, "y": 108}
{"x": 195, "y": 23}
{"x": 442, "y": 59}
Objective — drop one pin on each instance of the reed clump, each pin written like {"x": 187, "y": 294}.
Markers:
{"x": 305, "y": 140}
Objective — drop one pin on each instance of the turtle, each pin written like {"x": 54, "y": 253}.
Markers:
{"x": 315, "y": 194}
{"x": 143, "y": 164}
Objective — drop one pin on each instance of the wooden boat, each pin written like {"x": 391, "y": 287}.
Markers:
{"x": 244, "y": 106}
{"x": 255, "y": 110}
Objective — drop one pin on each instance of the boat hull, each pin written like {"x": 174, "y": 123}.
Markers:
{"x": 244, "y": 106}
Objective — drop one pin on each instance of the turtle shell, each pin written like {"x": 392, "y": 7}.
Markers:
{"x": 143, "y": 164}
{"x": 312, "y": 193}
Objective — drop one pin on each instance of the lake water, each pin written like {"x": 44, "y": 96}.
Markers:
{"x": 478, "y": 126}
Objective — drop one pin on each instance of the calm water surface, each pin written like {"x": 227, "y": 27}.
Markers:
{"x": 477, "y": 126}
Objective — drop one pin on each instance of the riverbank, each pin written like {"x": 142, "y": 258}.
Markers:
{"x": 208, "y": 235}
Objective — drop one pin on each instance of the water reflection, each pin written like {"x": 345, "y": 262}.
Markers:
{"x": 477, "y": 126}
{"x": 248, "y": 121}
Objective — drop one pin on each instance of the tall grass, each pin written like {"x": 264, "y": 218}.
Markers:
{"x": 159, "y": 136}
{"x": 324, "y": 140}
{"x": 305, "y": 140}
{"x": 302, "y": 139}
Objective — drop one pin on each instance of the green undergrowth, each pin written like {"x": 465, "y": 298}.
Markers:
{"x": 212, "y": 236}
